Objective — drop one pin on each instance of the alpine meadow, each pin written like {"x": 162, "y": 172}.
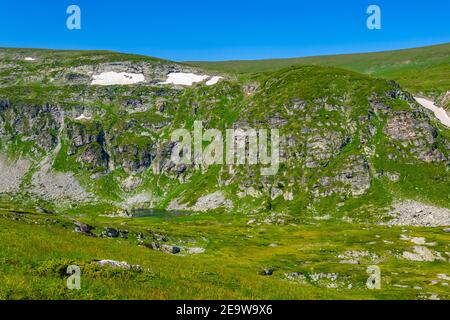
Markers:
{"x": 124, "y": 176}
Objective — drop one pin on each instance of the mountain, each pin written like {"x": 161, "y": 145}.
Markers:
{"x": 344, "y": 136}
{"x": 423, "y": 70}
{"x": 88, "y": 177}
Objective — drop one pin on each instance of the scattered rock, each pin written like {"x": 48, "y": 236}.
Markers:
{"x": 57, "y": 186}
{"x": 295, "y": 276}
{"x": 355, "y": 256}
{"x": 111, "y": 233}
{"x": 354, "y": 178}
{"x": 118, "y": 264}
{"x": 414, "y": 131}
{"x": 328, "y": 280}
{"x": 81, "y": 227}
{"x": 158, "y": 237}
{"x": 163, "y": 247}
{"x": 250, "y": 191}
{"x": 114, "y": 264}
{"x": 140, "y": 237}
{"x": 434, "y": 296}
{"x": 44, "y": 210}
{"x": 443, "y": 276}
{"x": 349, "y": 262}
{"x": 325, "y": 217}
{"x": 131, "y": 183}
{"x": 267, "y": 272}
{"x": 170, "y": 249}
{"x": 273, "y": 245}
{"x": 123, "y": 234}
{"x": 195, "y": 250}
{"x": 317, "y": 276}
{"x": 422, "y": 254}
{"x": 413, "y": 213}
{"x": 275, "y": 193}
{"x": 417, "y": 240}
{"x": 276, "y": 218}
{"x": 205, "y": 203}
{"x": 393, "y": 176}
{"x": 212, "y": 201}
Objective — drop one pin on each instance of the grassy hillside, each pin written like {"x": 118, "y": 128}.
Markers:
{"x": 324, "y": 115}
{"x": 36, "y": 250}
{"x": 352, "y": 145}
{"x": 425, "y": 69}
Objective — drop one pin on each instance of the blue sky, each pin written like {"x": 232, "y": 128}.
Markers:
{"x": 226, "y": 29}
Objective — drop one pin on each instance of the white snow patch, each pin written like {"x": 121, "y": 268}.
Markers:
{"x": 83, "y": 117}
{"x": 29, "y": 59}
{"x": 440, "y": 113}
{"x": 213, "y": 80}
{"x": 185, "y": 79}
{"x": 117, "y": 78}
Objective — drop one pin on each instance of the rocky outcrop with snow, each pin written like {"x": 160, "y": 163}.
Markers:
{"x": 440, "y": 113}
{"x": 188, "y": 79}
{"x": 117, "y": 78}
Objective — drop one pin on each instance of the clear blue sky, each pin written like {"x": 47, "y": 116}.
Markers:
{"x": 225, "y": 29}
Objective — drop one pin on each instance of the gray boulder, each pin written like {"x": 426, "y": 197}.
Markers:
{"x": 84, "y": 228}
{"x": 111, "y": 233}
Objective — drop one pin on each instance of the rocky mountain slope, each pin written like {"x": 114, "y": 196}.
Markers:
{"x": 350, "y": 144}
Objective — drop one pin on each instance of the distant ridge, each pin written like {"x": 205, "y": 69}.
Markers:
{"x": 422, "y": 70}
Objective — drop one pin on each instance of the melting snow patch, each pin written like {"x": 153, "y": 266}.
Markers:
{"x": 83, "y": 117}
{"x": 29, "y": 59}
{"x": 440, "y": 113}
{"x": 213, "y": 80}
{"x": 117, "y": 78}
{"x": 185, "y": 79}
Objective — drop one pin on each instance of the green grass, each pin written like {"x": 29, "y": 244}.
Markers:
{"x": 35, "y": 249}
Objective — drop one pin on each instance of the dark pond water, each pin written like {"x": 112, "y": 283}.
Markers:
{"x": 158, "y": 213}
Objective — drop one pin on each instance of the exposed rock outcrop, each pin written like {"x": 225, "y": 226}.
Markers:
{"x": 413, "y": 213}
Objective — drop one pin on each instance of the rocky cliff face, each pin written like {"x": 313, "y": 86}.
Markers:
{"x": 37, "y": 124}
{"x": 343, "y": 136}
